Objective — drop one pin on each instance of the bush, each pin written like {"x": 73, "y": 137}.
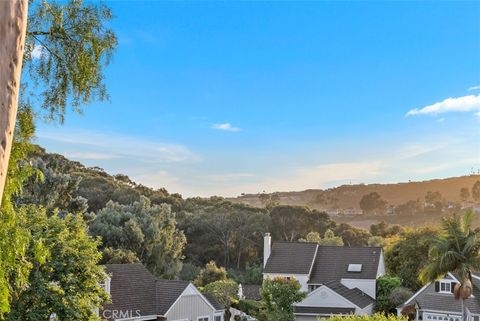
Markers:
{"x": 400, "y": 295}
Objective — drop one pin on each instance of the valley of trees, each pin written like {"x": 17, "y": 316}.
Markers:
{"x": 60, "y": 221}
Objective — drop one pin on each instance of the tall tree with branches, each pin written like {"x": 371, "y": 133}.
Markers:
{"x": 456, "y": 250}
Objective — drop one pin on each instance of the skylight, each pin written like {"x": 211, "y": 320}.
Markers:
{"x": 354, "y": 268}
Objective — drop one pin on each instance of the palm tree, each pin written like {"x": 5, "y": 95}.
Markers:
{"x": 456, "y": 250}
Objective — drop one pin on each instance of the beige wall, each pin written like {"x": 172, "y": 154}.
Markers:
{"x": 190, "y": 307}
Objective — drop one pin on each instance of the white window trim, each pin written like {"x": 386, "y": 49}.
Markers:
{"x": 203, "y": 317}
{"x": 446, "y": 282}
{"x": 218, "y": 315}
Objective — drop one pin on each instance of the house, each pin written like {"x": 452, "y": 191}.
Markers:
{"x": 338, "y": 279}
{"x": 138, "y": 295}
{"x": 352, "y": 212}
{"x": 435, "y": 301}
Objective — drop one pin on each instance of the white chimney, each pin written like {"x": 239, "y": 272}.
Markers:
{"x": 267, "y": 248}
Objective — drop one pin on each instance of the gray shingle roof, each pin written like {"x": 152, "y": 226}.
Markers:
{"x": 355, "y": 295}
{"x": 332, "y": 263}
{"x": 213, "y": 301}
{"x": 291, "y": 257}
{"x": 322, "y": 310}
{"x": 132, "y": 288}
{"x": 428, "y": 299}
{"x": 168, "y": 292}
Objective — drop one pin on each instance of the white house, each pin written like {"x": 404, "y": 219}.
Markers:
{"x": 435, "y": 301}
{"x": 338, "y": 279}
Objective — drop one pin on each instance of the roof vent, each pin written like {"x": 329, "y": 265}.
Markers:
{"x": 354, "y": 268}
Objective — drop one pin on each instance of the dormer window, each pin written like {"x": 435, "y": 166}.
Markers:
{"x": 354, "y": 268}
{"x": 444, "y": 286}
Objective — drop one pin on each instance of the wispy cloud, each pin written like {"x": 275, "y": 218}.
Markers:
{"x": 226, "y": 127}
{"x": 470, "y": 103}
{"x": 98, "y": 145}
{"x": 474, "y": 88}
{"x": 92, "y": 156}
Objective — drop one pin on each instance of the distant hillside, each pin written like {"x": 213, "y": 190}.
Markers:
{"x": 348, "y": 196}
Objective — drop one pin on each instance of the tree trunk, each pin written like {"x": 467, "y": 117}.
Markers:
{"x": 13, "y": 26}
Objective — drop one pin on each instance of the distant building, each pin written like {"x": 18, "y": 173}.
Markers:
{"x": 352, "y": 211}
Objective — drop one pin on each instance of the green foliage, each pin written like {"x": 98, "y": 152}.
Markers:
{"x": 14, "y": 236}
{"x": 376, "y": 241}
{"x": 476, "y": 191}
{"x": 384, "y": 230}
{"x": 352, "y": 236}
{"x": 372, "y": 202}
{"x": 279, "y": 295}
{"x": 328, "y": 239}
{"x": 251, "y": 275}
{"x": 189, "y": 272}
{"x": 456, "y": 249}
{"x": 149, "y": 231}
{"x": 251, "y": 308}
{"x": 399, "y": 295}
{"x": 291, "y": 223}
{"x": 118, "y": 256}
{"x": 406, "y": 257}
{"x": 225, "y": 291}
{"x": 211, "y": 273}
{"x": 385, "y": 285}
{"x": 231, "y": 234}
{"x": 76, "y": 46}
{"x": 65, "y": 277}
{"x": 374, "y": 317}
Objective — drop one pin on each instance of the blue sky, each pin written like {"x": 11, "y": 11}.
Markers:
{"x": 223, "y": 98}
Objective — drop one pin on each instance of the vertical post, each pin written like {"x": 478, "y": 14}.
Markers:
{"x": 13, "y": 27}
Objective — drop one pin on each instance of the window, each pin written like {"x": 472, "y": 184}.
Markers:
{"x": 354, "y": 268}
{"x": 203, "y": 318}
{"x": 445, "y": 287}
{"x": 217, "y": 318}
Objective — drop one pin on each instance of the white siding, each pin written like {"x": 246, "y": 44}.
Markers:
{"x": 368, "y": 286}
{"x": 190, "y": 307}
{"x": 324, "y": 297}
{"x": 301, "y": 278}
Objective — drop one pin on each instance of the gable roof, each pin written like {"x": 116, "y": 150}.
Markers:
{"x": 331, "y": 263}
{"x": 213, "y": 301}
{"x": 132, "y": 288}
{"x": 355, "y": 295}
{"x": 168, "y": 291}
{"x": 291, "y": 257}
{"x": 427, "y": 299}
{"x": 322, "y": 310}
